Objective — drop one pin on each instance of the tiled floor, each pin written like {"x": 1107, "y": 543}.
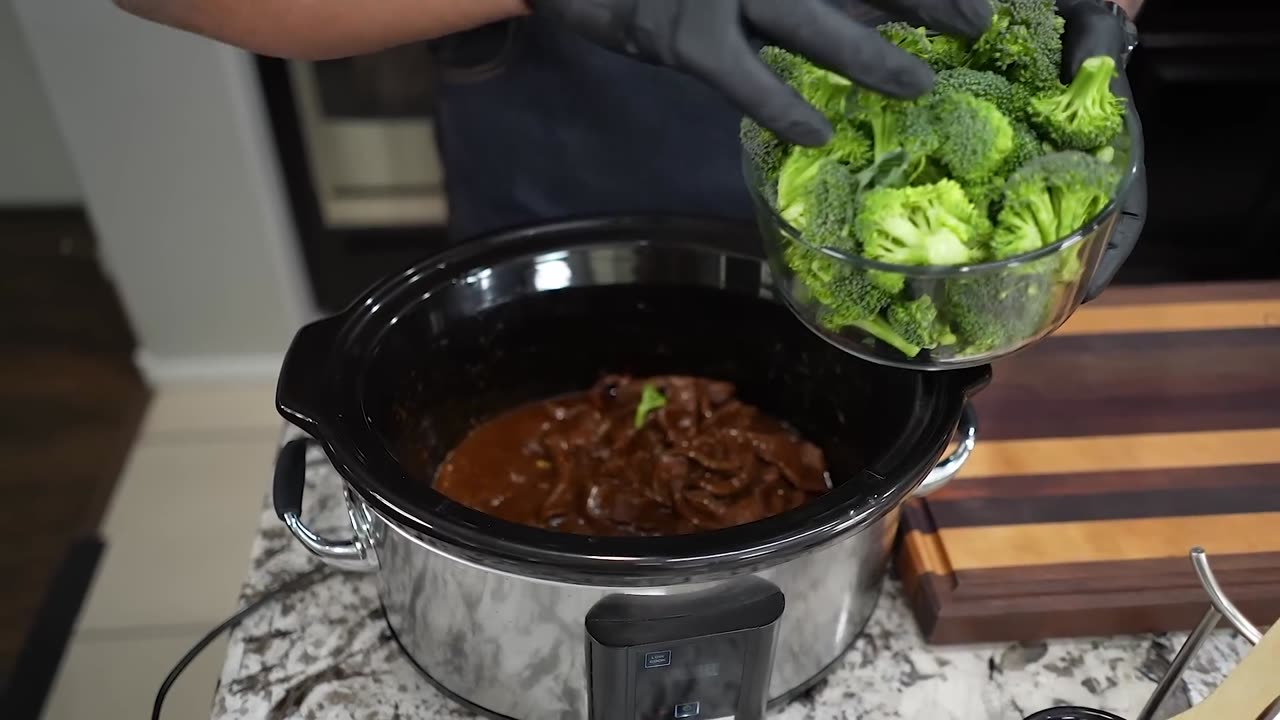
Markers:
{"x": 178, "y": 533}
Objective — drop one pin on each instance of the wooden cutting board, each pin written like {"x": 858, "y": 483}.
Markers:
{"x": 1149, "y": 424}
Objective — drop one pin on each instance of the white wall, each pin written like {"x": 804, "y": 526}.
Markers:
{"x": 169, "y": 138}
{"x": 34, "y": 168}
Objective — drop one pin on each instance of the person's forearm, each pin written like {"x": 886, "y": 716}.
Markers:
{"x": 1131, "y": 7}
{"x": 320, "y": 29}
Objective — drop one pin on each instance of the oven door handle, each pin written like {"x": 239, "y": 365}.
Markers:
{"x": 290, "y": 480}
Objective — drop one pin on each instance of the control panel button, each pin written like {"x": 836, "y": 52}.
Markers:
{"x": 687, "y": 710}
{"x": 657, "y": 660}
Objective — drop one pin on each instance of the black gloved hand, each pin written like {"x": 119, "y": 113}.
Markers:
{"x": 709, "y": 40}
{"x": 1094, "y": 30}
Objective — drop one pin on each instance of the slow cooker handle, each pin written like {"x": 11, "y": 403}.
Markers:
{"x": 286, "y": 494}
{"x": 302, "y": 392}
{"x": 967, "y": 436}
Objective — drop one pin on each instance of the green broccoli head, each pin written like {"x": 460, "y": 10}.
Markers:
{"x": 947, "y": 52}
{"x": 974, "y": 136}
{"x": 917, "y": 322}
{"x": 1023, "y": 42}
{"x": 850, "y": 145}
{"x": 825, "y": 90}
{"x": 939, "y": 51}
{"x": 764, "y": 149}
{"x": 795, "y": 177}
{"x": 987, "y": 191}
{"x": 982, "y": 84}
{"x": 999, "y": 309}
{"x": 1049, "y": 198}
{"x": 851, "y": 298}
{"x": 813, "y": 270}
{"x": 816, "y": 196}
{"x": 784, "y": 64}
{"x": 985, "y": 194}
{"x": 914, "y": 40}
{"x": 906, "y": 125}
{"x": 844, "y": 296}
{"x": 1084, "y": 115}
{"x": 1026, "y": 147}
{"x": 919, "y": 225}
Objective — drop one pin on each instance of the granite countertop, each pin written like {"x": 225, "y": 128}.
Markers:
{"x": 324, "y": 653}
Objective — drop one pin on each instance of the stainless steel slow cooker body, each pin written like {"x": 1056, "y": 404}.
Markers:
{"x": 494, "y": 613}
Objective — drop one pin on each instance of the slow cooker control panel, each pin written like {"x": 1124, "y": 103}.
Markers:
{"x": 704, "y": 655}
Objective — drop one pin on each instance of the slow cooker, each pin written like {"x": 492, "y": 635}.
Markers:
{"x": 523, "y": 623}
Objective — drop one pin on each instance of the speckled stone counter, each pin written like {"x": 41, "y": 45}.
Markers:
{"x": 324, "y": 653}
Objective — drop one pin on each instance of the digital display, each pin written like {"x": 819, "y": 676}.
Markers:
{"x": 699, "y": 678}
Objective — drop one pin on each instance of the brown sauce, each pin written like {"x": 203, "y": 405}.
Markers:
{"x": 703, "y": 460}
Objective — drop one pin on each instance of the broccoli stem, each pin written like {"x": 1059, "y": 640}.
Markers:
{"x": 1091, "y": 83}
{"x": 879, "y": 328}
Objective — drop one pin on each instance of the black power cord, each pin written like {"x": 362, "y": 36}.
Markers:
{"x": 307, "y": 578}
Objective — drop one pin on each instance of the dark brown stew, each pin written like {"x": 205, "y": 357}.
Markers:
{"x": 666, "y": 455}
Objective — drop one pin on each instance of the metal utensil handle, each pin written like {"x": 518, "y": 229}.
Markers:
{"x": 947, "y": 468}
{"x": 1200, "y": 561}
{"x": 1219, "y": 607}
{"x": 287, "y": 487}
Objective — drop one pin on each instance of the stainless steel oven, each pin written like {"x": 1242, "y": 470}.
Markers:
{"x": 367, "y": 129}
{"x": 357, "y": 144}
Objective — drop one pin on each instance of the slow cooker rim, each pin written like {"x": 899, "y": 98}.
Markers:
{"x": 370, "y": 468}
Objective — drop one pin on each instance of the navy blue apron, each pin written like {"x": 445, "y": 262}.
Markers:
{"x": 543, "y": 125}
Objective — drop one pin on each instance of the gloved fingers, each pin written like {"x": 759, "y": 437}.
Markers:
{"x": 1124, "y": 237}
{"x": 1090, "y": 31}
{"x": 832, "y": 39}
{"x": 966, "y": 18}
{"x": 727, "y": 63}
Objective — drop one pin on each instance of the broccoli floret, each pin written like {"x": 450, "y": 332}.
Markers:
{"x": 795, "y": 177}
{"x": 1026, "y": 147}
{"x": 838, "y": 317}
{"x": 985, "y": 195}
{"x": 846, "y": 297}
{"x": 939, "y": 51}
{"x": 919, "y": 225}
{"x": 816, "y": 196}
{"x": 982, "y": 84}
{"x": 986, "y": 192}
{"x": 651, "y": 399}
{"x": 880, "y": 329}
{"x": 1023, "y": 42}
{"x": 1001, "y": 308}
{"x": 764, "y": 149}
{"x": 1049, "y": 198}
{"x": 786, "y": 65}
{"x": 825, "y": 90}
{"x": 852, "y": 299}
{"x": 813, "y": 270}
{"x": 974, "y": 136}
{"x": 894, "y": 125}
{"x": 948, "y": 52}
{"x": 914, "y": 40}
{"x": 917, "y": 322}
{"x": 1020, "y": 101}
{"x": 850, "y": 145}
{"x": 1076, "y": 185}
{"x": 1084, "y": 115}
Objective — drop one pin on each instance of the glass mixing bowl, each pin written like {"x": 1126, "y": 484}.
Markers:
{"x": 1040, "y": 289}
